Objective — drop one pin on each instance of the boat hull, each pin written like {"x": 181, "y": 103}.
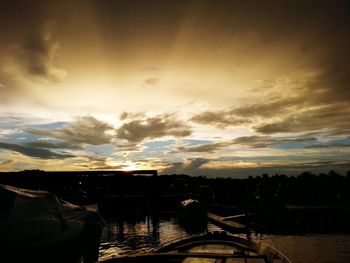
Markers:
{"x": 209, "y": 248}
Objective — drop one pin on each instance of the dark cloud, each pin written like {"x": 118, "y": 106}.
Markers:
{"x": 128, "y": 147}
{"x": 131, "y": 115}
{"x": 208, "y": 147}
{"x": 33, "y": 151}
{"x": 190, "y": 167}
{"x": 151, "y": 81}
{"x": 327, "y": 145}
{"x": 332, "y": 116}
{"x": 246, "y": 114}
{"x": 36, "y": 56}
{"x": 137, "y": 130}
{"x": 254, "y": 141}
{"x": 221, "y": 119}
{"x": 269, "y": 108}
{"x": 245, "y": 141}
{"x": 296, "y": 114}
{"x": 52, "y": 145}
{"x": 331, "y": 85}
{"x": 85, "y": 130}
{"x": 264, "y": 141}
{"x": 320, "y": 34}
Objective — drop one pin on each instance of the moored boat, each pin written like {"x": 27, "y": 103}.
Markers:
{"x": 35, "y": 226}
{"x": 192, "y": 215}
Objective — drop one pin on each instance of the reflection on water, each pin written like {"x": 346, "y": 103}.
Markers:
{"x": 127, "y": 237}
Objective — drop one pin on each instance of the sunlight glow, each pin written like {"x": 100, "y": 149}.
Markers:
{"x": 130, "y": 166}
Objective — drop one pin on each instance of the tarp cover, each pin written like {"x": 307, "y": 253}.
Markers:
{"x": 23, "y": 204}
{"x": 27, "y": 214}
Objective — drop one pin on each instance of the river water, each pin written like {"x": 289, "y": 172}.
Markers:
{"x": 144, "y": 235}
{"x": 324, "y": 248}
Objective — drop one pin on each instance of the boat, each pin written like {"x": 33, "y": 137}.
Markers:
{"x": 35, "y": 226}
{"x": 192, "y": 216}
{"x": 218, "y": 246}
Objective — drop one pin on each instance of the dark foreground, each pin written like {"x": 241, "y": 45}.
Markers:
{"x": 301, "y": 204}
{"x": 307, "y": 211}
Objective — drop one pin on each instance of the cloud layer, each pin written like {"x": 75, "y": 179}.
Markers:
{"x": 36, "y": 56}
{"x": 85, "y": 130}
{"x": 137, "y": 129}
{"x": 217, "y": 85}
{"x": 33, "y": 151}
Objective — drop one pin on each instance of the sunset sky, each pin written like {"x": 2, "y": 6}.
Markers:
{"x": 216, "y": 88}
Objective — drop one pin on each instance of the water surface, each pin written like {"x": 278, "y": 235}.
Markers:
{"x": 321, "y": 248}
{"x": 130, "y": 236}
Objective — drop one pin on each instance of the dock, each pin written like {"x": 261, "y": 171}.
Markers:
{"x": 231, "y": 226}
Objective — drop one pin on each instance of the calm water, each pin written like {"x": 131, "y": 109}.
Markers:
{"x": 127, "y": 237}
{"x": 313, "y": 248}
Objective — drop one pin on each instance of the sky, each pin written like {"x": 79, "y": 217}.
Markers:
{"x": 214, "y": 88}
